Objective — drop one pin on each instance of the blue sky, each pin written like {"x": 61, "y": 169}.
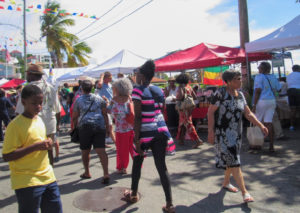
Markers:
{"x": 264, "y": 13}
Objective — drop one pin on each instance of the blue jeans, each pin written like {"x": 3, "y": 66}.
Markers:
{"x": 46, "y": 197}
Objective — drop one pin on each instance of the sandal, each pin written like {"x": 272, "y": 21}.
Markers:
{"x": 105, "y": 180}
{"x": 230, "y": 188}
{"x": 247, "y": 198}
{"x": 169, "y": 209}
{"x": 199, "y": 143}
{"x": 129, "y": 198}
{"x": 83, "y": 176}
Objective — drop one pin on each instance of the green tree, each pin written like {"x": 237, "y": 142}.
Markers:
{"x": 60, "y": 43}
{"x": 79, "y": 54}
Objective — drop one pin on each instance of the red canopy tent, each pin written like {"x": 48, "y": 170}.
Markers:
{"x": 12, "y": 83}
{"x": 206, "y": 55}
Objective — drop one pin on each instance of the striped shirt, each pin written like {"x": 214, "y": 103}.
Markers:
{"x": 153, "y": 121}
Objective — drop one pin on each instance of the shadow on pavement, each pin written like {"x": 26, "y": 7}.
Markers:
{"x": 213, "y": 203}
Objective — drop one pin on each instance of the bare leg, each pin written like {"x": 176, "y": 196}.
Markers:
{"x": 227, "y": 174}
{"x": 293, "y": 115}
{"x": 104, "y": 160}
{"x": 271, "y": 135}
{"x": 85, "y": 155}
{"x": 56, "y": 146}
{"x": 239, "y": 179}
{"x": 112, "y": 134}
{"x": 182, "y": 135}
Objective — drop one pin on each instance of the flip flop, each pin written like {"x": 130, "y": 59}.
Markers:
{"x": 83, "y": 176}
{"x": 170, "y": 209}
{"x": 230, "y": 188}
{"x": 129, "y": 198}
{"x": 247, "y": 198}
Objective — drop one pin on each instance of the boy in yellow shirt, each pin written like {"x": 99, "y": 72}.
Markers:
{"x": 26, "y": 148}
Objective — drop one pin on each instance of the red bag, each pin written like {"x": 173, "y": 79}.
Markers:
{"x": 130, "y": 116}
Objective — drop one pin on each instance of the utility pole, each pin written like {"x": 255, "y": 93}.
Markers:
{"x": 244, "y": 38}
{"x": 24, "y": 35}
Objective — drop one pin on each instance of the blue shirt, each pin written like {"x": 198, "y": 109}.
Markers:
{"x": 4, "y": 105}
{"x": 94, "y": 115}
{"x": 106, "y": 91}
{"x": 261, "y": 81}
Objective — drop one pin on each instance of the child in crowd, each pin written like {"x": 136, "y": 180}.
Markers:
{"x": 26, "y": 149}
{"x": 121, "y": 109}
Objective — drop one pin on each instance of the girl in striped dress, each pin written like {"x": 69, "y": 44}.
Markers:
{"x": 150, "y": 131}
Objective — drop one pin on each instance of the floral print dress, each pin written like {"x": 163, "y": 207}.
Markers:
{"x": 228, "y": 127}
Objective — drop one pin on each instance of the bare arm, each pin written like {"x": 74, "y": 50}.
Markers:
{"x": 180, "y": 93}
{"x": 167, "y": 91}
{"x": 75, "y": 117}
{"x": 21, "y": 152}
{"x": 100, "y": 82}
{"x": 252, "y": 118}
{"x": 211, "y": 123}
{"x": 257, "y": 93}
{"x": 105, "y": 116}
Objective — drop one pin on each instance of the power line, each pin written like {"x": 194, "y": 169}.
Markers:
{"x": 116, "y": 22}
{"x": 100, "y": 17}
{"x": 110, "y": 20}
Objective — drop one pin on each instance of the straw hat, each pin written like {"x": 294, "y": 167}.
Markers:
{"x": 35, "y": 69}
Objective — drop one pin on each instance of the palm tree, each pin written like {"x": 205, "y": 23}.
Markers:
{"x": 59, "y": 41}
{"x": 79, "y": 54}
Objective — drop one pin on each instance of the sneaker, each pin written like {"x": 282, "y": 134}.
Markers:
{"x": 292, "y": 128}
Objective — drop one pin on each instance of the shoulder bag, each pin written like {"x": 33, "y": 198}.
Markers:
{"x": 187, "y": 102}
{"x": 75, "y": 132}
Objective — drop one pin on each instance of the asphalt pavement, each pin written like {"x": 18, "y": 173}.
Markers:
{"x": 272, "y": 179}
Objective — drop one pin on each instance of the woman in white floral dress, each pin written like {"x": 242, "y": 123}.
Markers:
{"x": 228, "y": 105}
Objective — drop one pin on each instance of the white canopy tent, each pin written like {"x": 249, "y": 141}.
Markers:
{"x": 74, "y": 74}
{"x": 3, "y": 81}
{"x": 123, "y": 62}
{"x": 54, "y": 74}
{"x": 285, "y": 38}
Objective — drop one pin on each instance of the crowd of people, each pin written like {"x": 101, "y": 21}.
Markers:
{"x": 132, "y": 114}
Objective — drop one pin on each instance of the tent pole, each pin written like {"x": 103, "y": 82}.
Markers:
{"x": 248, "y": 72}
{"x": 284, "y": 70}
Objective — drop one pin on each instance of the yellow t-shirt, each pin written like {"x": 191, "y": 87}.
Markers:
{"x": 33, "y": 169}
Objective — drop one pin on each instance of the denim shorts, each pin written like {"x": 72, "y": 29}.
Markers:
{"x": 46, "y": 198}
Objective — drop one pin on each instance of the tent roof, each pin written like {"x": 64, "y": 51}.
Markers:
{"x": 286, "y": 37}
{"x": 154, "y": 80}
{"x": 205, "y": 55}
{"x": 12, "y": 83}
{"x": 74, "y": 73}
{"x": 123, "y": 62}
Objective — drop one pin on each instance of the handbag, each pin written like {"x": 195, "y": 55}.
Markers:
{"x": 186, "y": 103}
{"x": 255, "y": 136}
{"x": 75, "y": 132}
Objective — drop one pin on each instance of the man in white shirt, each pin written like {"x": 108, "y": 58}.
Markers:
{"x": 293, "y": 81}
{"x": 50, "y": 113}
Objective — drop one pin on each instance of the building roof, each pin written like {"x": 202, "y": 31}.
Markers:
{"x": 15, "y": 51}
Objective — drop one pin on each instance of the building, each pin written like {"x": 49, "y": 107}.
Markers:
{"x": 3, "y": 54}
{"x": 16, "y": 54}
{"x": 42, "y": 60}
{"x": 7, "y": 71}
